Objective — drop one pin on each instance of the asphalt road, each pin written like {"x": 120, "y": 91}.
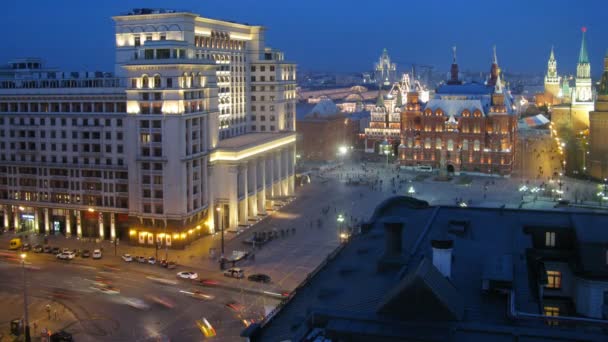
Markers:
{"x": 107, "y": 316}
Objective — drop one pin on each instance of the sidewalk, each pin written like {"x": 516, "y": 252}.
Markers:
{"x": 60, "y": 316}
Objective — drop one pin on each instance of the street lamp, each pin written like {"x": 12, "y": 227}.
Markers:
{"x": 342, "y": 150}
{"x": 219, "y": 222}
{"x": 25, "y": 312}
{"x": 411, "y": 190}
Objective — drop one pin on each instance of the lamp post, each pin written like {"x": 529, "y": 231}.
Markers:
{"x": 220, "y": 224}
{"x": 25, "y": 312}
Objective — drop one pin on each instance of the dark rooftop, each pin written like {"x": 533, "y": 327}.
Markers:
{"x": 352, "y": 294}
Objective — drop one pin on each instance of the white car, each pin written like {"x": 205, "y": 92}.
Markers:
{"x": 66, "y": 255}
{"x": 97, "y": 254}
{"x": 187, "y": 275}
{"x": 151, "y": 260}
{"x": 127, "y": 257}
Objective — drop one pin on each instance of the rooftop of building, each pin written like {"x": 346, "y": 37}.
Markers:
{"x": 250, "y": 139}
{"x": 166, "y": 11}
{"x": 351, "y": 293}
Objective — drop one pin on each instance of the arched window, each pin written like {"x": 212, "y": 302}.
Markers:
{"x": 145, "y": 83}
{"x": 465, "y": 144}
{"x": 450, "y": 145}
{"x": 427, "y": 143}
{"x": 409, "y": 142}
{"x": 438, "y": 144}
{"x": 157, "y": 81}
{"x": 476, "y": 145}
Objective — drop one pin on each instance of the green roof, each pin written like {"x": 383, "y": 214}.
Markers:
{"x": 583, "y": 57}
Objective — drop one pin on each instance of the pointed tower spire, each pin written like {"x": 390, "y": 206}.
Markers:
{"x": 494, "y": 58}
{"x": 494, "y": 69}
{"x": 454, "y": 69}
{"x": 552, "y": 55}
{"x": 583, "y": 57}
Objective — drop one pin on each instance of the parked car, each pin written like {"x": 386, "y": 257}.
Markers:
{"x": 97, "y": 254}
{"x": 26, "y": 247}
{"x": 47, "y": 249}
{"x": 76, "y": 251}
{"x": 151, "y": 260}
{"x": 38, "y": 249}
{"x": 260, "y": 278}
{"x": 56, "y": 250}
{"x": 69, "y": 255}
{"x": 127, "y": 257}
{"x": 65, "y": 250}
{"x": 171, "y": 265}
{"x": 187, "y": 275}
{"x": 234, "y": 272}
{"x": 162, "y": 263}
{"x": 85, "y": 253}
{"x": 141, "y": 259}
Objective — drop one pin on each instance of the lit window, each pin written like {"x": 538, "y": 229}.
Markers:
{"x": 450, "y": 145}
{"x": 552, "y": 311}
{"x": 554, "y": 280}
{"x": 550, "y": 239}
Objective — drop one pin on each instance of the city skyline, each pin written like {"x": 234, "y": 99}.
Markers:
{"x": 343, "y": 38}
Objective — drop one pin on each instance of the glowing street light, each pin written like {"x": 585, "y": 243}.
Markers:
{"x": 342, "y": 150}
{"x": 411, "y": 190}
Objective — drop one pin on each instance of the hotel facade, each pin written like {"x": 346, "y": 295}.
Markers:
{"x": 193, "y": 132}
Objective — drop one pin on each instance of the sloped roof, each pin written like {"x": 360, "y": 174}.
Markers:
{"x": 464, "y": 89}
{"x": 424, "y": 294}
{"x": 455, "y": 107}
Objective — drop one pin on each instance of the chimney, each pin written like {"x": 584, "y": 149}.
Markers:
{"x": 393, "y": 253}
{"x": 442, "y": 256}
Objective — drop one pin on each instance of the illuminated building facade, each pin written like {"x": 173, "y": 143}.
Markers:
{"x": 464, "y": 128}
{"x": 168, "y": 149}
{"x": 385, "y": 123}
{"x": 597, "y": 160}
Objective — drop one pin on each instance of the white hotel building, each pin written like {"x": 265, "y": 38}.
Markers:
{"x": 194, "y": 131}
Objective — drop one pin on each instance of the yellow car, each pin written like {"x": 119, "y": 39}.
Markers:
{"x": 205, "y": 327}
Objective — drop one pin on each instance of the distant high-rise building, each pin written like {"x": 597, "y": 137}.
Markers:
{"x": 598, "y": 130}
{"x": 385, "y": 71}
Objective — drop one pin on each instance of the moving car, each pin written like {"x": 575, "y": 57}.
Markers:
{"x": 151, "y": 260}
{"x": 127, "y": 257}
{"x": 38, "y": 249}
{"x": 187, "y": 275}
{"x": 234, "y": 272}
{"x": 97, "y": 254}
{"x": 85, "y": 253}
{"x": 260, "y": 278}
{"x": 205, "y": 327}
{"x": 15, "y": 244}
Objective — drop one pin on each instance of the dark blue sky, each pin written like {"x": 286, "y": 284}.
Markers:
{"x": 333, "y": 35}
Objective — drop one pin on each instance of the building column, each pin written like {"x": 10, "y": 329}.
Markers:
{"x": 253, "y": 199}
{"x": 270, "y": 169}
{"x": 7, "y": 212}
{"x": 233, "y": 201}
{"x": 78, "y": 224}
{"x": 101, "y": 230}
{"x": 277, "y": 171}
{"x": 46, "y": 221}
{"x": 113, "y": 226}
{"x": 243, "y": 204}
{"x": 292, "y": 171}
{"x": 261, "y": 194}
{"x": 68, "y": 223}
{"x": 286, "y": 175}
{"x": 16, "y": 214}
{"x": 36, "y": 219}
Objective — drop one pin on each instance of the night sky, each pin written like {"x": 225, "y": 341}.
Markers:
{"x": 333, "y": 35}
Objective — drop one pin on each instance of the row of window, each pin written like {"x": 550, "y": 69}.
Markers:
{"x": 63, "y": 107}
{"x": 61, "y": 122}
{"x": 262, "y": 128}
{"x": 262, "y": 68}
{"x": 60, "y": 160}
{"x": 262, "y": 118}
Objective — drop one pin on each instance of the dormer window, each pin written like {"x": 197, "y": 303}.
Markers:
{"x": 550, "y": 239}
